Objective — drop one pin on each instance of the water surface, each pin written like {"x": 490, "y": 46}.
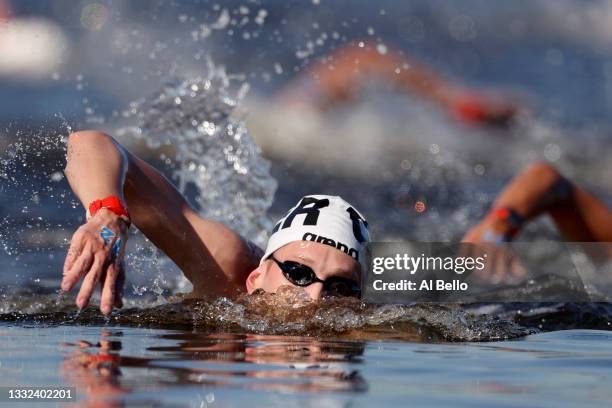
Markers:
{"x": 111, "y": 366}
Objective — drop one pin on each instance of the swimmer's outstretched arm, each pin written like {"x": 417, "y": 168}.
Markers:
{"x": 213, "y": 257}
{"x": 351, "y": 64}
{"x": 540, "y": 189}
{"x": 340, "y": 76}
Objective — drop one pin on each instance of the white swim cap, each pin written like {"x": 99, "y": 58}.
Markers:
{"x": 325, "y": 219}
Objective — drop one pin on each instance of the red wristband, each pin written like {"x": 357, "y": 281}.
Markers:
{"x": 507, "y": 214}
{"x": 470, "y": 108}
{"x": 98, "y": 358}
{"x": 111, "y": 203}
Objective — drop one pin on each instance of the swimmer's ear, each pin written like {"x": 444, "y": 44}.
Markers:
{"x": 253, "y": 280}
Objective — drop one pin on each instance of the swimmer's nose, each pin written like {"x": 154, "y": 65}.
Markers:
{"x": 315, "y": 291}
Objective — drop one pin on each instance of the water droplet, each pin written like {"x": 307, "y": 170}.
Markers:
{"x": 57, "y": 176}
{"x": 552, "y": 152}
{"x": 261, "y": 16}
{"x": 381, "y": 48}
{"x": 462, "y": 28}
{"x": 94, "y": 16}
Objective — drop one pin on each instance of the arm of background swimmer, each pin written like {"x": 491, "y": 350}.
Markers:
{"x": 540, "y": 189}
{"x": 213, "y": 257}
{"x": 351, "y": 62}
{"x": 339, "y": 76}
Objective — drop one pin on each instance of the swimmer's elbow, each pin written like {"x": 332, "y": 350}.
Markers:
{"x": 542, "y": 169}
{"x": 88, "y": 137}
{"x": 92, "y": 141}
{"x": 86, "y": 145}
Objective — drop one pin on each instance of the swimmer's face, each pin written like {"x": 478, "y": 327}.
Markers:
{"x": 324, "y": 260}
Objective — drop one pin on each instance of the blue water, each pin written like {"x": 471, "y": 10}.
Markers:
{"x": 174, "y": 368}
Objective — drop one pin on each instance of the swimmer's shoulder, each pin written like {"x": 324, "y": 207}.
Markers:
{"x": 221, "y": 265}
{"x": 255, "y": 251}
{"x": 245, "y": 259}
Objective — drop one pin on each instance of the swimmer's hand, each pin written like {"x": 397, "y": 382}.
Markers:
{"x": 500, "y": 225}
{"x": 488, "y": 110}
{"x": 502, "y": 266}
{"x": 96, "y": 255}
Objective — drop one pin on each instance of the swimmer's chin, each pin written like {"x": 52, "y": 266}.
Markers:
{"x": 288, "y": 294}
{"x": 285, "y": 291}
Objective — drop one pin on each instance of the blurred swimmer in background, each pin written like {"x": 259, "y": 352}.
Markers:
{"x": 542, "y": 190}
{"x": 308, "y": 113}
{"x": 340, "y": 76}
{"x": 31, "y": 48}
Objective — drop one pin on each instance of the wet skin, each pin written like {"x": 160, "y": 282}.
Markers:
{"x": 324, "y": 260}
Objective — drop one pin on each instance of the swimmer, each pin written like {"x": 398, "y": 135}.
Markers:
{"x": 318, "y": 245}
{"x": 337, "y": 80}
{"x": 542, "y": 190}
{"x": 31, "y": 47}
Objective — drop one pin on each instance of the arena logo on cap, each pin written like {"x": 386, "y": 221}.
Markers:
{"x": 309, "y": 236}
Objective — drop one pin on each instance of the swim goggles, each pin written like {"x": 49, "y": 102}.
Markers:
{"x": 302, "y": 276}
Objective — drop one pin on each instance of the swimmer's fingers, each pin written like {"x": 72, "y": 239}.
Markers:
{"x": 107, "y": 299}
{"x": 494, "y": 271}
{"x": 78, "y": 268}
{"x": 508, "y": 268}
{"x": 119, "y": 265}
{"x": 75, "y": 251}
{"x": 112, "y": 288}
{"x": 518, "y": 269}
{"x": 76, "y": 245}
{"x": 499, "y": 265}
{"x": 120, "y": 286}
{"x": 476, "y": 250}
{"x": 512, "y": 270}
{"x": 91, "y": 280}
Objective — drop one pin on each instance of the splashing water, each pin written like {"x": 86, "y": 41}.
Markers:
{"x": 32, "y": 195}
{"x": 289, "y": 312}
{"x": 213, "y": 151}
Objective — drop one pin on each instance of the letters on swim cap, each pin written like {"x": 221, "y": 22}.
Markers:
{"x": 324, "y": 219}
